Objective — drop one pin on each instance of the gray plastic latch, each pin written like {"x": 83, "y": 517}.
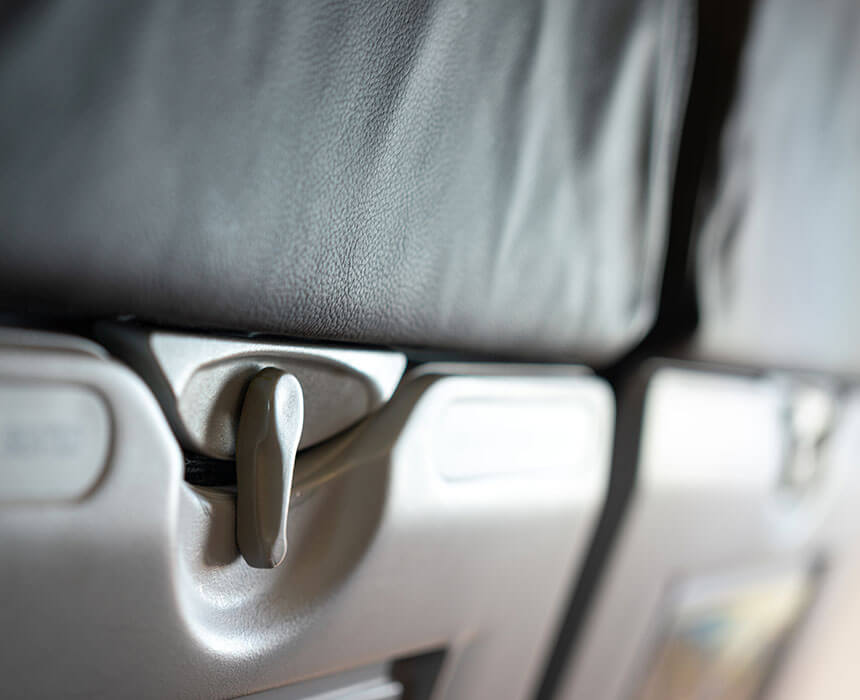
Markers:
{"x": 810, "y": 417}
{"x": 270, "y": 427}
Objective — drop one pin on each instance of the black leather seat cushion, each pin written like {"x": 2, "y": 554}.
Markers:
{"x": 779, "y": 248}
{"x": 488, "y": 176}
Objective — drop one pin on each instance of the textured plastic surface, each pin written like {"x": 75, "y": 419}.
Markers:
{"x": 710, "y": 499}
{"x": 25, "y": 338}
{"x": 200, "y": 381}
{"x": 141, "y": 584}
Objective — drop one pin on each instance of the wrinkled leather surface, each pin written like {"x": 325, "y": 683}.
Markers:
{"x": 779, "y": 253}
{"x": 485, "y": 176}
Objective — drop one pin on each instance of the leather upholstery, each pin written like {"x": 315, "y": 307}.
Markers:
{"x": 478, "y": 176}
{"x": 778, "y": 260}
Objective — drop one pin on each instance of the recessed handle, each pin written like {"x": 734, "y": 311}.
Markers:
{"x": 270, "y": 427}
